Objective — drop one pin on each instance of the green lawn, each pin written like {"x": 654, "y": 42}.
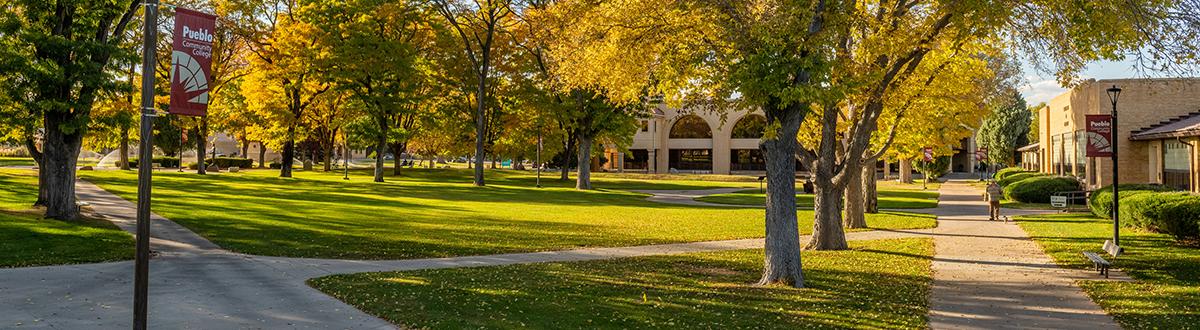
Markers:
{"x": 1166, "y": 290}
{"x": 16, "y": 161}
{"x": 28, "y": 240}
{"x": 879, "y": 284}
{"x": 891, "y": 196}
{"x": 438, "y": 213}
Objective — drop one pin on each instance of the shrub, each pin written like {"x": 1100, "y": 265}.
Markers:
{"x": 1038, "y": 189}
{"x": 227, "y": 162}
{"x": 162, "y": 161}
{"x": 1180, "y": 218}
{"x": 1101, "y": 200}
{"x": 1008, "y": 171}
{"x": 276, "y": 165}
{"x": 1018, "y": 177}
{"x": 1175, "y": 213}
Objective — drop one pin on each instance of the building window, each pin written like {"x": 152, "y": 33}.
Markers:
{"x": 1056, "y": 154}
{"x": 637, "y": 159}
{"x": 1176, "y": 167}
{"x": 750, "y": 127}
{"x": 691, "y": 159}
{"x": 645, "y": 126}
{"x": 747, "y": 160}
{"x": 691, "y": 127}
{"x": 1081, "y": 153}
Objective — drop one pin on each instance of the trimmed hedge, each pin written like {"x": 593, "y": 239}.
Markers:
{"x": 1175, "y": 213}
{"x": 227, "y": 162}
{"x": 1009, "y": 171}
{"x": 1005, "y": 182}
{"x": 162, "y": 161}
{"x": 1038, "y": 189}
{"x": 1100, "y": 202}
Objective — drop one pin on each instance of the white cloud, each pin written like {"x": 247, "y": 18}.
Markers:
{"x": 1039, "y": 90}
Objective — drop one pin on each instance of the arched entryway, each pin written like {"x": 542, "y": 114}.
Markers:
{"x": 744, "y": 154}
{"x": 691, "y": 144}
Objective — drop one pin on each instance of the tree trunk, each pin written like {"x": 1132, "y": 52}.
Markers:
{"x": 262, "y": 155}
{"x": 380, "y": 145}
{"x": 782, "y": 244}
{"x": 123, "y": 149}
{"x": 827, "y": 225}
{"x": 60, "y": 153}
{"x": 40, "y": 162}
{"x": 855, "y": 208}
{"x": 397, "y": 149}
{"x": 887, "y": 170}
{"x": 328, "y": 151}
{"x": 289, "y": 153}
{"x": 245, "y": 148}
{"x": 906, "y": 171}
{"x": 583, "y": 179}
{"x": 480, "y": 128}
{"x": 569, "y": 143}
{"x": 870, "y": 193}
{"x": 201, "y": 146}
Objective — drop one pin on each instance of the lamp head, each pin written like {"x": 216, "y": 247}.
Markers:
{"x": 1113, "y": 94}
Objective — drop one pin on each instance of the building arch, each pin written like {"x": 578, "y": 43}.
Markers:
{"x": 691, "y": 127}
{"x": 749, "y": 127}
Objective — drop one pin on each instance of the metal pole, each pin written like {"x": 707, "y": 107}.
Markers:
{"x": 141, "y": 278}
{"x": 345, "y": 156}
{"x": 539, "y": 156}
{"x": 1116, "y": 212}
{"x": 182, "y": 140}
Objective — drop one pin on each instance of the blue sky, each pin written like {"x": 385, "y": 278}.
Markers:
{"x": 1041, "y": 87}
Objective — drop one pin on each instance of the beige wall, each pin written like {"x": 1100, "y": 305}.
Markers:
{"x": 656, "y": 137}
{"x": 1143, "y": 102}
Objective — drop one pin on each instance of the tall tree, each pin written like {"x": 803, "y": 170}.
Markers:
{"x": 1006, "y": 129}
{"x": 284, "y": 78}
{"x": 477, "y": 23}
{"x": 62, "y": 53}
{"x": 388, "y": 87}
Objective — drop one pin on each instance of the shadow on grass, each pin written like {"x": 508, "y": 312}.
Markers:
{"x": 320, "y": 215}
{"x": 1166, "y": 290}
{"x": 845, "y": 289}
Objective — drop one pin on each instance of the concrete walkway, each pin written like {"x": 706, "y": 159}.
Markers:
{"x": 991, "y": 275}
{"x": 195, "y": 284}
{"x": 688, "y": 197}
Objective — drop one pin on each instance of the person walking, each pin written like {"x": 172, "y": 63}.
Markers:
{"x": 993, "y": 198}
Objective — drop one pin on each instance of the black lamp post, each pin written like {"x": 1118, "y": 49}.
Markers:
{"x": 1113, "y": 94}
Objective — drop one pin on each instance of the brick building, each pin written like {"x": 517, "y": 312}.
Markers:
{"x": 1158, "y": 128}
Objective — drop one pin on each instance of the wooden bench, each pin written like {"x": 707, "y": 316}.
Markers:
{"x": 1099, "y": 262}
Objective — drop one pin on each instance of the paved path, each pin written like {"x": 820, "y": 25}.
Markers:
{"x": 688, "y": 197}
{"x": 195, "y": 284}
{"x": 991, "y": 275}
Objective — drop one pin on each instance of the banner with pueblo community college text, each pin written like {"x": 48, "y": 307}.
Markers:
{"x": 1099, "y": 135}
{"x": 191, "y": 62}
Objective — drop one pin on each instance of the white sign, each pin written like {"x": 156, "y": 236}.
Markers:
{"x": 1058, "y": 201}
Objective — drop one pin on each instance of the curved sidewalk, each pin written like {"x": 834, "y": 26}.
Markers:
{"x": 196, "y": 284}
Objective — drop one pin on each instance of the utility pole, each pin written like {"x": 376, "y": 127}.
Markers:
{"x": 141, "y": 278}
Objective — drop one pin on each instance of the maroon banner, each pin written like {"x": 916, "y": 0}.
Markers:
{"x": 1099, "y": 132}
{"x": 191, "y": 62}
{"x": 928, "y": 153}
{"x": 981, "y": 153}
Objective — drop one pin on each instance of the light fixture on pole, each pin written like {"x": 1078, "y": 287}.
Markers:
{"x": 1113, "y": 94}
